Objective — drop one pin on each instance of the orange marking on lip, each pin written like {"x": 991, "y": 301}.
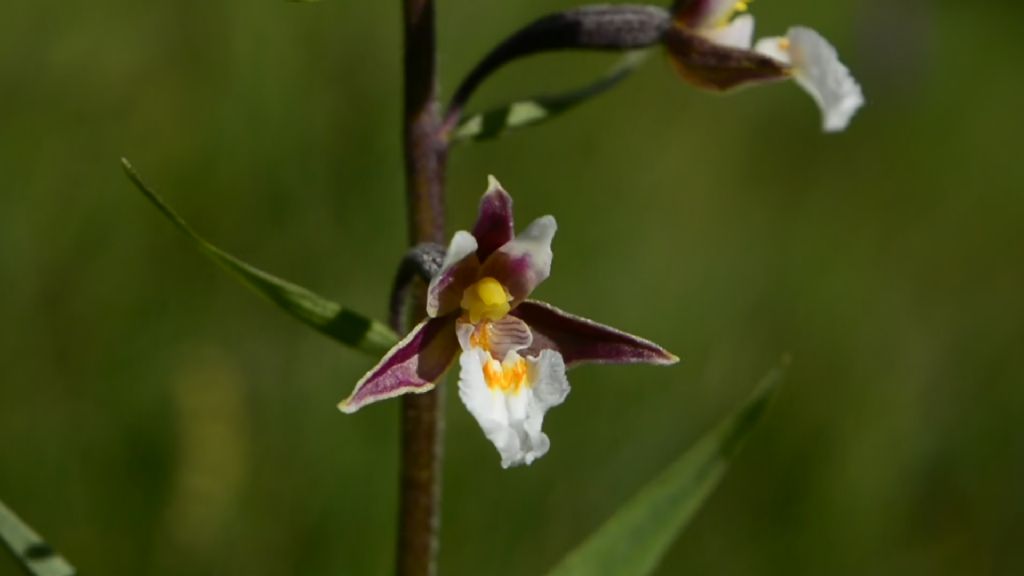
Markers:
{"x": 507, "y": 378}
{"x": 481, "y": 337}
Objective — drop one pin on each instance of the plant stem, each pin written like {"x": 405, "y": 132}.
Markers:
{"x": 424, "y": 151}
{"x": 422, "y": 414}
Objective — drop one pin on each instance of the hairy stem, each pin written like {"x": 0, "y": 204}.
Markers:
{"x": 422, "y": 414}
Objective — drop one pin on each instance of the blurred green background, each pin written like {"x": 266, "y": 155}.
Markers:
{"x": 157, "y": 418}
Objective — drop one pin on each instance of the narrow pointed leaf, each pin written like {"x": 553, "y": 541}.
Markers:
{"x": 325, "y": 316}
{"x": 522, "y": 113}
{"x": 29, "y": 548}
{"x": 633, "y": 541}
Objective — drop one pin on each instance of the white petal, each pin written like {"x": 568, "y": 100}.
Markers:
{"x": 817, "y": 69}
{"x": 550, "y": 385}
{"x": 550, "y": 388}
{"x": 463, "y": 244}
{"x": 736, "y": 34}
{"x": 486, "y": 405}
{"x": 512, "y": 420}
{"x": 776, "y": 47}
{"x": 535, "y": 240}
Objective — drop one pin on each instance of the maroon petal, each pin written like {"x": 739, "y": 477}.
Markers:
{"x": 494, "y": 226}
{"x": 579, "y": 340}
{"x": 413, "y": 365}
{"x": 701, "y": 13}
{"x": 457, "y": 273}
{"x": 717, "y": 67}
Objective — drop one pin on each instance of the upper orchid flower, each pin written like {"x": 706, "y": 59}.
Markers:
{"x": 514, "y": 351}
{"x": 713, "y": 49}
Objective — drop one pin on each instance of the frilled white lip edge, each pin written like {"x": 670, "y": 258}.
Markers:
{"x": 812, "y": 60}
{"x": 817, "y": 69}
{"x": 512, "y": 419}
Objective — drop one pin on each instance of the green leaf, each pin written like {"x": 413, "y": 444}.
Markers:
{"x": 633, "y": 541}
{"x": 29, "y": 548}
{"x": 523, "y": 113}
{"x": 327, "y": 317}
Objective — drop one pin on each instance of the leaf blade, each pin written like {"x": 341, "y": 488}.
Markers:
{"x": 493, "y": 123}
{"x": 636, "y": 537}
{"x": 29, "y": 548}
{"x": 327, "y": 317}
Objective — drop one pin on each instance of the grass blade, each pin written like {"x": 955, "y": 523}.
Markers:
{"x": 522, "y": 113}
{"x": 633, "y": 541}
{"x": 325, "y": 316}
{"x": 29, "y": 548}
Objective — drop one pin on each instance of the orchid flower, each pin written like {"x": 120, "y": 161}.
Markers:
{"x": 711, "y": 45}
{"x": 513, "y": 352}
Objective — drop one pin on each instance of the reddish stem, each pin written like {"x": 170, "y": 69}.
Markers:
{"x": 422, "y": 414}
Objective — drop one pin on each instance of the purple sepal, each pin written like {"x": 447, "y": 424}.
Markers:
{"x": 413, "y": 365}
{"x": 494, "y": 226}
{"x": 579, "y": 340}
{"x": 716, "y": 67}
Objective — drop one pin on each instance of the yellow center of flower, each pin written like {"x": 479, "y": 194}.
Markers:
{"x": 486, "y": 299}
{"x": 508, "y": 377}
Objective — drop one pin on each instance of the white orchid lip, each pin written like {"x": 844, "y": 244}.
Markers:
{"x": 711, "y": 44}
{"x": 816, "y": 67}
{"x": 503, "y": 369}
{"x": 509, "y": 394}
{"x": 509, "y": 375}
